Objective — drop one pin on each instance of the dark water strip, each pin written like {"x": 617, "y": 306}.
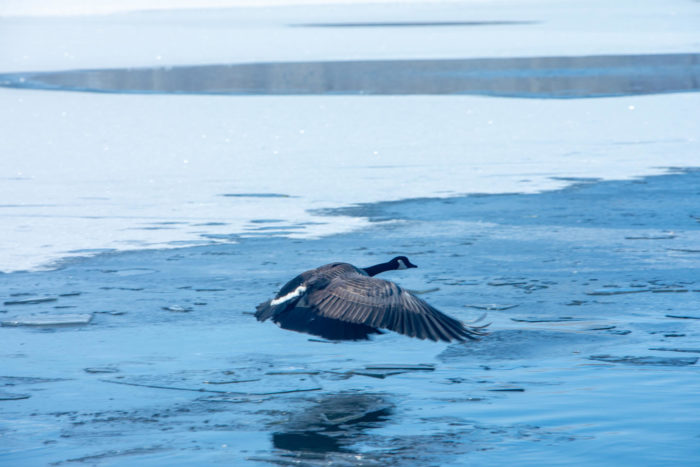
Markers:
{"x": 414, "y": 24}
{"x": 529, "y": 77}
{"x": 580, "y": 205}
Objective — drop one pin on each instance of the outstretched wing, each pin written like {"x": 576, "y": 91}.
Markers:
{"x": 382, "y": 304}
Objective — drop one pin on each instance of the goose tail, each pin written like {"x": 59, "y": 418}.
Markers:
{"x": 265, "y": 311}
{"x": 273, "y": 308}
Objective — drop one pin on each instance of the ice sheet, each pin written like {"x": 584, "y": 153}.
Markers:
{"x": 87, "y": 173}
{"x": 235, "y": 35}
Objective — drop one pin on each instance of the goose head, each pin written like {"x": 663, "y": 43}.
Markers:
{"x": 401, "y": 262}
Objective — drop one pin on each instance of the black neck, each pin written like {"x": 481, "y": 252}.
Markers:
{"x": 377, "y": 268}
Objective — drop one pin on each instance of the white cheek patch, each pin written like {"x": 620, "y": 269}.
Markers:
{"x": 293, "y": 294}
{"x": 402, "y": 265}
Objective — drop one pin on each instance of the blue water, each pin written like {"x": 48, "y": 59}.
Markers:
{"x": 583, "y": 286}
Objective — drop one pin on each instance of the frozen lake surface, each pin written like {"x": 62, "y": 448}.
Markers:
{"x": 592, "y": 291}
{"x": 538, "y": 160}
{"x": 123, "y": 171}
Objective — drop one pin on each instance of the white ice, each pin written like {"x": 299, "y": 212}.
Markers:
{"x": 82, "y": 172}
{"x": 231, "y": 35}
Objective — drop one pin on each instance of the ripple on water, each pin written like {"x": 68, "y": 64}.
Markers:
{"x": 646, "y": 360}
{"x": 519, "y": 344}
{"x": 674, "y": 349}
{"x": 242, "y": 381}
{"x": 47, "y": 320}
{"x": 30, "y": 301}
{"x": 10, "y": 396}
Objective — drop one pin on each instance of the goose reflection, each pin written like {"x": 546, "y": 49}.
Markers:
{"x": 333, "y": 424}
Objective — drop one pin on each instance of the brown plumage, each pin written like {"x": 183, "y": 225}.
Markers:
{"x": 339, "y": 301}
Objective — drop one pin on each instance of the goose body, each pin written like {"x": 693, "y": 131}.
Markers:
{"x": 339, "y": 301}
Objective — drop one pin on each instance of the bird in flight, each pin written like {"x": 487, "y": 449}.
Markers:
{"x": 339, "y": 301}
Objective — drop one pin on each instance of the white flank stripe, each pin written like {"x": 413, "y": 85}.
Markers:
{"x": 295, "y": 293}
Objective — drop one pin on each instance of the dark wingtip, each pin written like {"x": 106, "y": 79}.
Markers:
{"x": 462, "y": 332}
{"x": 474, "y": 332}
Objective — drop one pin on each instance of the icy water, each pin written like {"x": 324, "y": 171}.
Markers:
{"x": 154, "y": 357}
{"x": 532, "y": 77}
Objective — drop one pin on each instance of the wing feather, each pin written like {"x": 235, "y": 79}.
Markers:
{"x": 431, "y": 330}
{"x": 360, "y": 299}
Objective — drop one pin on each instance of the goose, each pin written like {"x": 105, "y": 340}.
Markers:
{"x": 339, "y": 301}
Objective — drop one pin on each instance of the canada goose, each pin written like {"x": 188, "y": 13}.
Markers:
{"x": 339, "y": 301}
